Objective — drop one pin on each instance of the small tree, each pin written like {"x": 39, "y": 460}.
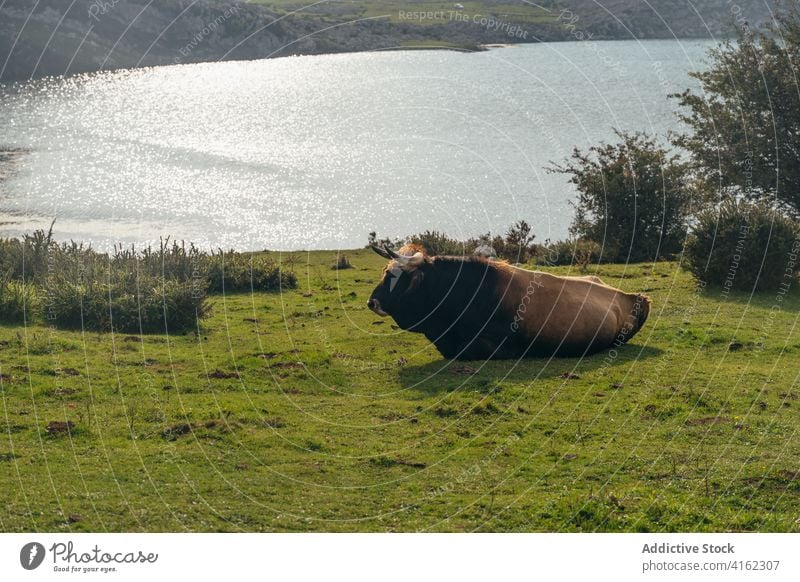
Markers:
{"x": 745, "y": 123}
{"x": 518, "y": 242}
{"x": 633, "y": 197}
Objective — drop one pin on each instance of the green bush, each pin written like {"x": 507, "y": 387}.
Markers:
{"x": 26, "y": 259}
{"x": 567, "y": 252}
{"x": 743, "y": 246}
{"x": 11, "y": 258}
{"x": 16, "y": 300}
{"x": 634, "y": 196}
{"x": 157, "y": 289}
{"x": 341, "y": 262}
{"x": 231, "y": 272}
{"x": 516, "y": 246}
{"x": 438, "y": 243}
{"x": 146, "y": 305}
{"x": 36, "y": 258}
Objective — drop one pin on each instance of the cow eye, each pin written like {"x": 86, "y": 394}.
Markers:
{"x": 394, "y": 277}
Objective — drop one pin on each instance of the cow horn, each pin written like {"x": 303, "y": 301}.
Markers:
{"x": 406, "y": 261}
{"x": 382, "y": 252}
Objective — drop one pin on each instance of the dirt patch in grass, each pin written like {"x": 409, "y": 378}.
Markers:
{"x": 485, "y": 409}
{"x": 445, "y": 411}
{"x": 222, "y": 375}
{"x": 388, "y": 462}
{"x": 171, "y": 433}
{"x": 59, "y": 427}
{"x": 287, "y": 365}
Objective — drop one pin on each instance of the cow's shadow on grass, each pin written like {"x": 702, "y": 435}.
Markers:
{"x": 444, "y": 375}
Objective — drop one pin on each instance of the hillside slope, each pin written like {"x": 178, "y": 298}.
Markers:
{"x": 51, "y": 37}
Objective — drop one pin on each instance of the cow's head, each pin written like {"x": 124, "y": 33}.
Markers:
{"x": 400, "y": 291}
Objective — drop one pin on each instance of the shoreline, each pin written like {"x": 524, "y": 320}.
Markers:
{"x": 89, "y": 36}
{"x": 480, "y": 48}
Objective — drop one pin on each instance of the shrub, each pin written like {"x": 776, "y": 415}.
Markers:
{"x": 517, "y": 246}
{"x": 231, "y": 272}
{"x": 26, "y": 259}
{"x": 16, "y": 300}
{"x": 157, "y": 289}
{"x": 171, "y": 261}
{"x": 341, "y": 262}
{"x": 145, "y": 305}
{"x": 633, "y": 196}
{"x": 438, "y": 243}
{"x": 744, "y": 246}
{"x": 373, "y": 239}
{"x": 11, "y": 258}
{"x": 567, "y": 252}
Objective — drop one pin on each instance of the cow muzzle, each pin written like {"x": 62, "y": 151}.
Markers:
{"x": 375, "y": 306}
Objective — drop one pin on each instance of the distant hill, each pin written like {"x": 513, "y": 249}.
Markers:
{"x": 54, "y": 37}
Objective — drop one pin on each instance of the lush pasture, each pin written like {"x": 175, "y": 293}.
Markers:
{"x": 302, "y": 410}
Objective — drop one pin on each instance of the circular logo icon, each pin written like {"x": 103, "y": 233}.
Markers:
{"x": 31, "y": 555}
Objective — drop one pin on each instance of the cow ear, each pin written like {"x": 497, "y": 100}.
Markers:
{"x": 416, "y": 281}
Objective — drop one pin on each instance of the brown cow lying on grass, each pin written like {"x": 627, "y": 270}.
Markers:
{"x": 473, "y": 308}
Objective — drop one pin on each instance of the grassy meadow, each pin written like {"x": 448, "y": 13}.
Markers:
{"x": 303, "y": 411}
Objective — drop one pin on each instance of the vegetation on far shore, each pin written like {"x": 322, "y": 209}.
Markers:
{"x": 47, "y": 37}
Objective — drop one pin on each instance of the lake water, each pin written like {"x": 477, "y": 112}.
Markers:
{"x": 314, "y": 152}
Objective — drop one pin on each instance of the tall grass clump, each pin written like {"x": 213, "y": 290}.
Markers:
{"x": 27, "y": 258}
{"x": 228, "y": 271}
{"x": 144, "y": 305}
{"x": 16, "y": 300}
{"x": 159, "y": 288}
{"x": 744, "y": 246}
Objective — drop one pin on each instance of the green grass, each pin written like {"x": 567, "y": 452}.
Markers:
{"x": 303, "y": 411}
